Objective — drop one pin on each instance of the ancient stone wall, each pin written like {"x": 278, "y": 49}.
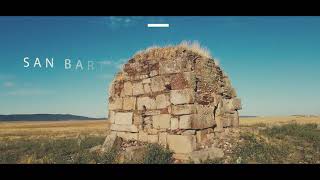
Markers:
{"x": 172, "y": 96}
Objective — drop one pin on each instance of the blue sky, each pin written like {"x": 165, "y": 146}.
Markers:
{"x": 273, "y": 62}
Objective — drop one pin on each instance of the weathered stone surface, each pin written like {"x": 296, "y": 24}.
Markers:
{"x": 137, "y": 88}
{"x": 147, "y": 88}
{"x": 236, "y": 104}
{"x": 115, "y": 103}
{"x": 146, "y": 81}
{"x": 189, "y": 132}
{"x": 111, "y": 116}
{"x": 185, "y": 121}
{"x": 128, "y": 136}
{"x": 201, "y": 135}
{"x": 161, "y": 121}
{"x": 235, "y": 120}
{"x": 204, "y": 117}
{"x": 152, "y": 112}
{"x": 183, "y": 80}
{"x": 153, "y": 138}
{"x": 123, "y": 118}
{"x": 174, "y": 123}
{"x": 112, "y": 141}
{"x": 157, "y": 84}
{"x": 184, "y": 96}
{"x": 147, "y": 102}
{"x": 162, "y": 101}
{"x": 120, "y": 127}
{"x": 127, "y": 88}
{"x": 163, "y": 139}
{"x": 205, "y": 154}
{"x": 183, "y": 109}
{"x": 168, "y": 67}
{"x": 181, "y": 144}
{"x": 129, "y": 103}
{"x": 137, "y": 119}
{"x": 143, "y": 136}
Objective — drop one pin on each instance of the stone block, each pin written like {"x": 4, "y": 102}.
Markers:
{"x": 168, "y": 67}
{"x": 153, "y": 138}
{"x": 157, "y": 84}
{"x": 127, "y": 88}
{"x": 183, "y": 109}
{"x": 185, "y": 121}
{"x": 137, "y": 88}
{"x": 204, "y": 117}
{"x": 111, "y": 117}
{"x": 163, "y": 139}
{"x": 143, "y": 136}
{"x": 123, "y": 118}
{"x": 125, "y": 128}
{"x": 162, "y": 101}
{"x": 147, "y": 102}
{"x": 127, "y": 136}
{"x": 147, "y": 88}
{"x": 183, "y": 96}
{"x": 189, "y": 132}
{"x": 174, "y": 123}
{"x": 115, "y": 103}
{"x": 146, "y": 81}
{"x": 129, "y": 103}
{"x": 181, "y": 144}
{"x": 161, "y": 121}
{"x": 183, "y": 80}
{"x": 112, "y": 141}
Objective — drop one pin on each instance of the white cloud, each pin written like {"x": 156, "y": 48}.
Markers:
{"x": 8, "y": 84}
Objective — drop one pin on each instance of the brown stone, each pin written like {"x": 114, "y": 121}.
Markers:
{"x": 184, "y": 96}
{"x": 162, "y": 101}
{"x": 129, "y": 103}
{"x": 181, "y": 144}
{"x": 161, "y": 121}
{"x": 115, "y": 103}
{"x": 137, "y": 88}
{"x": 183, "y": 109}
{"x": 146, "y": 102}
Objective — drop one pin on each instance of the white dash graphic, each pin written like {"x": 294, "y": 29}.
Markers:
{"x": 158, "y": 25}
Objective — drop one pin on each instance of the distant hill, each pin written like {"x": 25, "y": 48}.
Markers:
{"x": 248, "y": 116}
{"x": 44, "y": 117}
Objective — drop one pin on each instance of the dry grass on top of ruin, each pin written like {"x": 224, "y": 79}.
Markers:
{"x": 170, "y": 51}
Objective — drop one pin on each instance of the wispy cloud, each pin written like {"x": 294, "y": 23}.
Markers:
{"x": 115, "y": 64}
{"x": 28, "y": 92}
{"x": 115, "y": 22}
{"x": 6, "y": 76}
{"x": 8, "y": 84}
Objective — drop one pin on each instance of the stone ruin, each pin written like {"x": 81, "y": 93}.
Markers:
{"x": 176, "y": 96}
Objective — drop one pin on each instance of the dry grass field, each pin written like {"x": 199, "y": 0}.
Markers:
{"x": 52, "y": 129}
{"x": 279, "y": 120}
{"x": 292, "y": 139}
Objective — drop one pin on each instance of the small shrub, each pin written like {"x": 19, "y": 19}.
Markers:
{"x": 156, "y": 154}
{"x": 257, "y": 150}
